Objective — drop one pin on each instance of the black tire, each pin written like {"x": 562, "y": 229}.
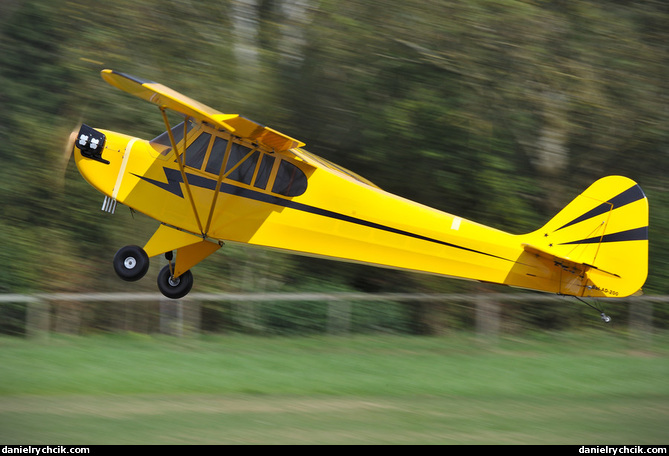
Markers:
{"x": 131, "y": 263}
{"x": 174, "y": 288}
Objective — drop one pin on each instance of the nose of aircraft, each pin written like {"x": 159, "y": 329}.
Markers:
{"x": 99, "y": 156}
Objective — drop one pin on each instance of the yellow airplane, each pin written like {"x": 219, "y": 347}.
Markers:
{"x": 217, "y": 178}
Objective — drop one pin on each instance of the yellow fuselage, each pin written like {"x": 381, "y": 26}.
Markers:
{"x": 299, "y": 203}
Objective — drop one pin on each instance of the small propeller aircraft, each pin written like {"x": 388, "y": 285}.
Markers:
{"x": 217, "y": 178}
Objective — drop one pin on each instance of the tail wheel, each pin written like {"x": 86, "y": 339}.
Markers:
{"x": 131, "y": 263}
{"x": 174, "y": 287}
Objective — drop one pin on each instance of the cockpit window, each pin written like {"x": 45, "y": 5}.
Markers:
{"x": 244, "y": 172}
{"x": 290, "y": 180}
{"x": 264, "y": 171}
{"x": 243, "y": 164}
{"x": 162, "y": 144}
{"x": 216, "y": 155}
{"x": 197, "y": 150}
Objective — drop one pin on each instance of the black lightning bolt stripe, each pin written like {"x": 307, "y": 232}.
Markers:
{"x": 173, "y": 186}
{"x": 636, "y": 234}
{"x": 627, "y": 197}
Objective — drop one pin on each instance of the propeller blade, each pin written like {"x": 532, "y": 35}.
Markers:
{"x": 66, "y": 155}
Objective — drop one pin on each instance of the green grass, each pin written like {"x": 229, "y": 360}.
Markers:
{"x": 563, "y": 388}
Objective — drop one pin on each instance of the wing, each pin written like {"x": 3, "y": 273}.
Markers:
{"x": 166, "y": 98}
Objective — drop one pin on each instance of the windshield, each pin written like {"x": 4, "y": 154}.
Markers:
{"x": 162, "y": 144}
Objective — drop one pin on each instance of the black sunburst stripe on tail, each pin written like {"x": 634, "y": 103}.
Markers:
{"x": 629, "y": 196}
{"x": 636, "y": 234}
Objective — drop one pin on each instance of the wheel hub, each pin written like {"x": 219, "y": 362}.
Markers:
{"x": 130, "y": 262}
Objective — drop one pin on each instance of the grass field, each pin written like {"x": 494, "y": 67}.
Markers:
{"x": 597, "y": 388}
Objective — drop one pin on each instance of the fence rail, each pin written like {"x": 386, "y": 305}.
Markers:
{"x": 44, "y": 312}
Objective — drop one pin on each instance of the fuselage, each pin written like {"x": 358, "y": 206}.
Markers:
{"x": 219, "y": 187}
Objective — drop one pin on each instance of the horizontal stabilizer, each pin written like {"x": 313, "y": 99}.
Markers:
{"x": 564, "y": 262}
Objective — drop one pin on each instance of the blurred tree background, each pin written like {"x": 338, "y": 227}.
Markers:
{"x": 499, "y": 111}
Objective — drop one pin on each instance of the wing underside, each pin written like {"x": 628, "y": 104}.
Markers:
{"x": 166, "y": 98}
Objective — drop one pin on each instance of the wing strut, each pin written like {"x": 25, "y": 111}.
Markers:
{"x": 218, "y": 183}
{"x": 180, "y": 158}
{"x": 222, "y": 175}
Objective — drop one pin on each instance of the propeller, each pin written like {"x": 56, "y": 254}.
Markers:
{"x": 66, "y": 154}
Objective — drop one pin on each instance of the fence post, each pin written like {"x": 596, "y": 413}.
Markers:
{"x": 38, "y": 318}
{"x": 339, "y": 317}
{"x": 487, "y": 317}
{"x": 641, "y": 320}
{"x": 192, "y": 317}
{"x": 171, "y": 317}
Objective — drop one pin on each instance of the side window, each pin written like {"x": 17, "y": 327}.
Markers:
{"x": 197, "y": 150}
{"x": 290, "y": 180}
{"x": 266, "y": 165}
{"x": 162, "y": 143}
{"x": 216, "y": 155}
{"x": 244, "y": 172}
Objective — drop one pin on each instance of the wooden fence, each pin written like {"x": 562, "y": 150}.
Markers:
{"x": 60, "y": 312}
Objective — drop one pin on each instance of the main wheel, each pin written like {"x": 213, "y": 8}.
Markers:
{"x": 131, "y": 263}
{"x": 174, "y": 287}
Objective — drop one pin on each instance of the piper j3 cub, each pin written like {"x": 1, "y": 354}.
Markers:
{"x": 216, "y": 178}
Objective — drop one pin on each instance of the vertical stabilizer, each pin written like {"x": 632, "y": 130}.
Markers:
{"x": 605, "y": 231}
